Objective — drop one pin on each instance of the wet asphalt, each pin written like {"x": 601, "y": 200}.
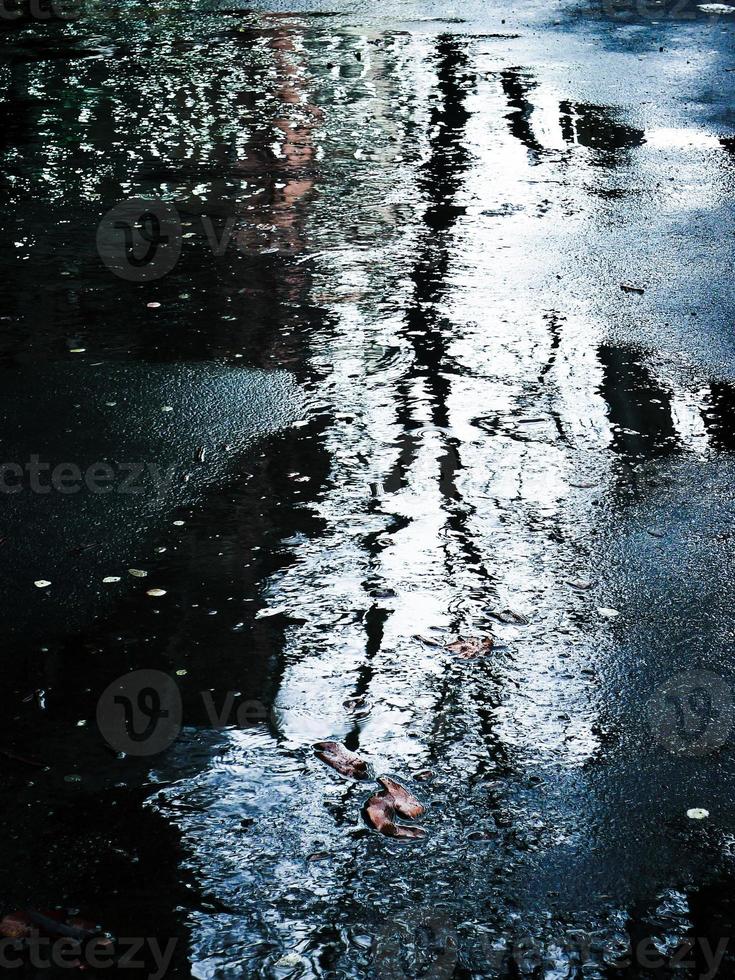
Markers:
{"x": 437, "y": 342}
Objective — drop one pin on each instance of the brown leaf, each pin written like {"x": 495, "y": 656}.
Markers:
{"x": 345, "y": 762}
{"x": 405, "y": 804}
{"x": 381, "y": 814}
{"x": 16, "y": 925}
{"x": 470, "y": 647}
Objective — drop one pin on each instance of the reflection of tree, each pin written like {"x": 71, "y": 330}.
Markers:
{"x": 718, "y": 414}
{"x": 429, "y": 334}
{"x": 638, "y": 407}
{"x": 517, "y": 85}
{"x": 593, "y": 126}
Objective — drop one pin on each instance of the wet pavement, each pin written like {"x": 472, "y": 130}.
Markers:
{"x": 390, "y": 392}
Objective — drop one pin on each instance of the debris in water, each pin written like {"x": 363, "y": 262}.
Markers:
{"x": 41, "y": 583}
{"x": 340, "y": 758}
{"x": 716, "y": 8}
{"x": 109, "y": 579}
{"x": 16, "y": 757}
{"x": 380, "y": 812}
{"x": 156, "y": 593}
{"x": 470, "y": 647}
{"x": 427, "y": 640}
{"x": 509, "y": 617}
{"x": 290, "y": 962}
{"x": 201, "y": 453}
{"x": 697, "y": 813}
{"x": 628, "y": 287}
{"x": 406, "y": 805}
{"x": 137, "y": 573}
{"x": 153, "y": 306}
{"x": 608, "y": 613}
{"x": 581, "y": 584}
{"x": 267, "y": 613}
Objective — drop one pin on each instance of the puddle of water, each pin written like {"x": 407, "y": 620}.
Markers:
{"x": 431, "y": 236}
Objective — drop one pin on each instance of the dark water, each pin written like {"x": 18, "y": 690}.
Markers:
{"x": 393, "y": 390}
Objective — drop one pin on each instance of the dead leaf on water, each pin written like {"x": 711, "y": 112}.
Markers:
{"x": 380, "y": 813}
{"x": 346, "y": 763}
{"x": 406, "y": 805}
{"x": 471, "y": 647}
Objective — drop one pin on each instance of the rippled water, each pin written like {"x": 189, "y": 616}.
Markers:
{"x": 435, "y": 207}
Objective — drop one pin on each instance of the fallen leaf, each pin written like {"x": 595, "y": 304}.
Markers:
{"x": 16, "y": 925}
{"x": 381, "y": 814}
{"x": 469, "y": 647}
{"x": 405, "y": 804}
{"x": 340, "y": 758}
